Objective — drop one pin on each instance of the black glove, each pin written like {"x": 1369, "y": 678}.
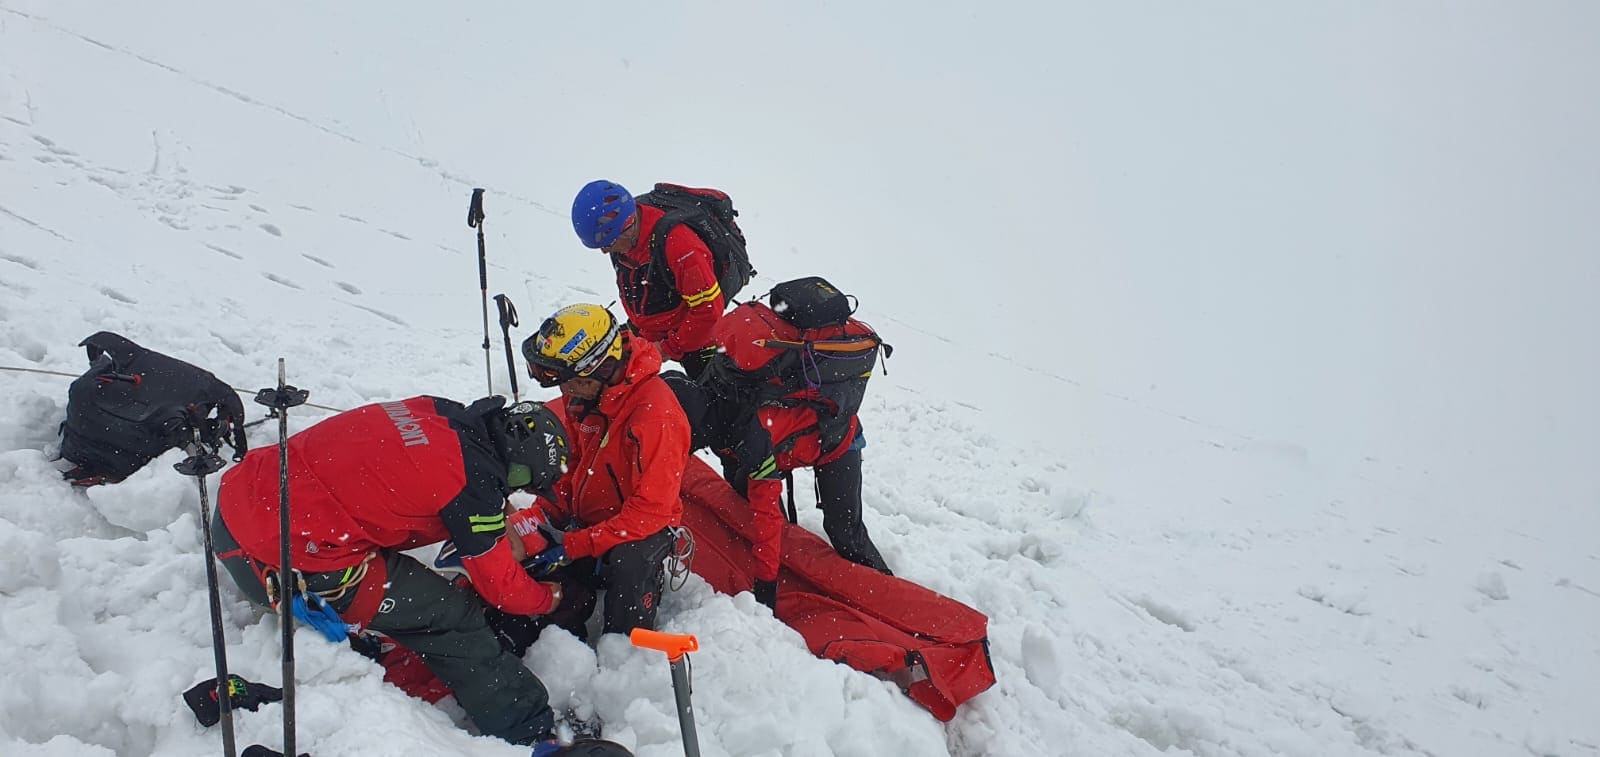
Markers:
{"x": 767, "y": 593}
{"x": 242, "y": 695}
{"x": 257, "y": 750}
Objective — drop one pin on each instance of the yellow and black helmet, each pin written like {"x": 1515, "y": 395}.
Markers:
{"x": 580, "y": 340}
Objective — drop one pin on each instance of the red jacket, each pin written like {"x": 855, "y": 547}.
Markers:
{"x": 631, "y": 449}
{"x": 676, "y": 308}
{"x": 797, "y": 436}
{"x": 792, "y": 420}
{"x": 395, "y": 475}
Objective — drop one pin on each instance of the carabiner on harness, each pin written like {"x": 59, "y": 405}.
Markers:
{"x": 681, "y": 559}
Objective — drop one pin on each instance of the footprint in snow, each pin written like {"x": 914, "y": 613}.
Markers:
{"x": 1162, "y": 612}
{"x": 396, "y": 234}
{"x": 273, "y": 230}
{"x": 394, "y": 319}
{"x": 232, "y": 346}
{"x": 351, "y": 288}
{"x": 315, "y": 259}
{"x": 52, "y": 146}
{"x": 118, "y": 296}
{"x": 225, "y": 251}
{"x": 348, "y": 217}
{"x": 32, "y": 351}
{"x": 303, "y": 207}
{"x": 274, "y": 278}
{"x": 258, "y": 208}
{"x": 19, "y": 260}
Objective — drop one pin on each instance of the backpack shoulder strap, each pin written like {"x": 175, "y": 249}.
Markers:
{"x": 658, "y": 242}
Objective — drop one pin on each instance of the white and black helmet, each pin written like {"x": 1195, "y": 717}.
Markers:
{"x": 536, "y": 447}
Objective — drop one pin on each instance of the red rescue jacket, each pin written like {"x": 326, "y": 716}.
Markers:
{"x": 631, "y": 449}
{"x": 795, "y": 418}
{"x": 676, "y": 308}
{"x": 394, "y": 475}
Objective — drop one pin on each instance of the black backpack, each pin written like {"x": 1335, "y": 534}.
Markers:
{"x": 134, "y": 404}
{"x": 710, "y": 214}
{"x": 824, "y": 361}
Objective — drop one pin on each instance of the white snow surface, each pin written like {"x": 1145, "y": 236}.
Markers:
{"x": 1245, "y": 356}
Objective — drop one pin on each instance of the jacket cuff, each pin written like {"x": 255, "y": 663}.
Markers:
{"x": 578, "y": 544}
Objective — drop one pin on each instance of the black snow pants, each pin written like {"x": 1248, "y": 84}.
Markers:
{"x": 632, "y": 576}
{"x": 839, "y": 497}
{"x": 423, "y": 612}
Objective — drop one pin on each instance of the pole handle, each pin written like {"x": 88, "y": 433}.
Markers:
{"x": 475, "y": 208}
{"x": 674, "y": 645}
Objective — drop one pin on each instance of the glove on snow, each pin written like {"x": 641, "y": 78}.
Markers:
{"x": 242, "y": 695}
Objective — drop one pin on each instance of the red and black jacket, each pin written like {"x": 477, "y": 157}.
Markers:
{"x": 673, "y": 300}
{"x": 734, "y": 432}
{"x": 395, "y": 475}
{"x": 810, "y": 424}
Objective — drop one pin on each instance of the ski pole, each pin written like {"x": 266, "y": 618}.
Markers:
{"x": 475, "y": 220}
{"x": 280, "y": 399}
{"x": 508, "y": 318}
{"x": 675, "y": 646}
{"x": 203, "y": 461}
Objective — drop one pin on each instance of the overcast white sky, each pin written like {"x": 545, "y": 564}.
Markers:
{"x": 1304, "y": 292}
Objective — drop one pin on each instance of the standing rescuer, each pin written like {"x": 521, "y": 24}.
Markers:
{"x": 366, "y": 484}
{"x": 672, "y": 301}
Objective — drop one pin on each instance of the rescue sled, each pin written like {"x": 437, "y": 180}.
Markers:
{"x": 935, "y": 648}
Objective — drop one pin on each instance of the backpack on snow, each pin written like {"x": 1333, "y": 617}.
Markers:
{"x": 710, "y": 214}
{"x": 802, "y": 348}
{"x": 134, "y": 404}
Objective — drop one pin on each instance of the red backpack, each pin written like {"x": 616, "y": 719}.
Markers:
{"x": 802, "y": 349}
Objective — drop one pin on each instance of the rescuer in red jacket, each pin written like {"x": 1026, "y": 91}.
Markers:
{"x": 675, "y": 308}
{"x": 371, "y": 482}
{"x": 805, "y": 427}
{"x": 618, "y": 504}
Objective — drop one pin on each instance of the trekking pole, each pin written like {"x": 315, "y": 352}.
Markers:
{"x": 201, "y": 462}
{"x": 675, "y": 646}
{"x": 280, "y": 399}
{"x": 475, "y": 220}
{"x": 508, "y": 318}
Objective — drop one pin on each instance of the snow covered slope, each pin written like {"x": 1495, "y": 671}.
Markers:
{"x": 1244, "y": 358}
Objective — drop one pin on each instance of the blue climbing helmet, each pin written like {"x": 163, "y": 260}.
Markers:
{"x": 600, "y": 212}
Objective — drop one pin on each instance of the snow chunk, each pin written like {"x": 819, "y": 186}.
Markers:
{"x": 27, "y": 559}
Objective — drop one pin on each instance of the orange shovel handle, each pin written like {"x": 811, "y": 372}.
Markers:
{"x": 673, "y": 644}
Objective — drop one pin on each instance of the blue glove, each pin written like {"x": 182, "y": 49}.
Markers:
{"x": 546, "y": 562}
{"x": 319, "y": 615}
{"x": 546, "y": 748}
{"x": 449, "y": 559}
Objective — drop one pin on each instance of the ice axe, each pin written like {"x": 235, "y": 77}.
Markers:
{"x": 675, "y": 646}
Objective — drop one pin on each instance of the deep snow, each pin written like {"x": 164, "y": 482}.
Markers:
{"x": 1244, "y": 357}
